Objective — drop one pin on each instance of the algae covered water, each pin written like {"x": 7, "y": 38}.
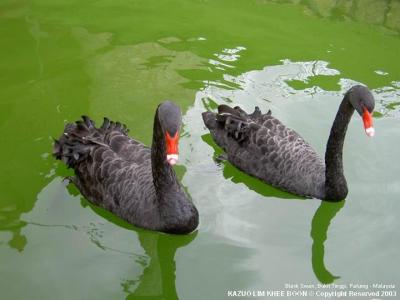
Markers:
{"x": 60, "y": 60}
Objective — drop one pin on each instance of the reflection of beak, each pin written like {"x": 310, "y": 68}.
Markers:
{"x": 172, "y": 148}
{"x": 368, "y": 123}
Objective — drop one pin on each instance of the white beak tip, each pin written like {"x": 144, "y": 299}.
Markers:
{"x": 370, "y": 131}
{"x": 172, "y": 159}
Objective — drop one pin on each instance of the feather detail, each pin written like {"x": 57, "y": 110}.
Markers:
{"x": 115, "y": 172}
{"x": 263, "y": 147}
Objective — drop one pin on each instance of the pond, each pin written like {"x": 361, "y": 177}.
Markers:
{"x": 63, "y": 59}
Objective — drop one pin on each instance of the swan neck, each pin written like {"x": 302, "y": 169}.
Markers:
{"x": 164, "y": 176}
{"x": 335, "y": 182}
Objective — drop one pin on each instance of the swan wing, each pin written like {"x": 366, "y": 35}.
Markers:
{"x": 112, "y": 170}
{"x": 262, "y": 146}
{"x": 116, "y": 136}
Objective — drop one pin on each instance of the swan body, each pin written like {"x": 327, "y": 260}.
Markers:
{"x": 263, "y": 147}
{"x": 122, "y": 175}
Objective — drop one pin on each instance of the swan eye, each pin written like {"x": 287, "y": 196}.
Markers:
{"x": 368, "y": 123}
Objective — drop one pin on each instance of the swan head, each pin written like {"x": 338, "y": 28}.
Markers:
{"x": 363, "y": 102}
{"x": 170, "y": 118}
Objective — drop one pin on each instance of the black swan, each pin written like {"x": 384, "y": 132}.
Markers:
{"x": 127, "y": 178}
{"x": 263, "y": 147}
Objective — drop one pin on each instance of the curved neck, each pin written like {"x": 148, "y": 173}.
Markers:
{"x": 335, "y": 182}
{"x": 164, "y": 176}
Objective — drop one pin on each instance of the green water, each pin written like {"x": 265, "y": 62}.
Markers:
{"x": 62, "y": 59}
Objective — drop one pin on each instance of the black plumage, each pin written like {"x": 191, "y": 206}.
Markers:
{"x": 126, "y": 177}
{"x": 263, "y": 147}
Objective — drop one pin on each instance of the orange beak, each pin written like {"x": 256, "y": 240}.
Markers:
{"x": 368, "y": 123}
{"x": 172, "y": 148}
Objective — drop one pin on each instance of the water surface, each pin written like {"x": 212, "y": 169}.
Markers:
{"x": 120, "y": 59}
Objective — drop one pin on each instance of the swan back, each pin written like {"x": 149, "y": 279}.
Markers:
{"x": 262, "y": 146}
{"x": 115, "y": 172}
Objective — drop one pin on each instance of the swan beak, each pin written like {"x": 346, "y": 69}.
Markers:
{"x": 172, "y": 159}
{"x": 370, "y": 131}
{"x": 368, "y": 123}
{"x": 172, "y": 148}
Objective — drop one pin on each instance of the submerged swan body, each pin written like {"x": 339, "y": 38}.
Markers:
{"x": 263, "y": 147}
{"x": 133, "y": 181}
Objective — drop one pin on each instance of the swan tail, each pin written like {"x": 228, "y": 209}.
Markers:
{"x": 257, "y": 113}
{"x": 235, "y": 121}
{"x": 209, "y": 119}
{"x": 74, "y": 144}
{"x": 78, "y": 139}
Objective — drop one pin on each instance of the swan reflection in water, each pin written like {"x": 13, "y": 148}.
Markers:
{"x": 319, "y": 230}
{"x": 319, "y": 226}
{"x": 320, "y": 223}
{"x": 158, "y": 278}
